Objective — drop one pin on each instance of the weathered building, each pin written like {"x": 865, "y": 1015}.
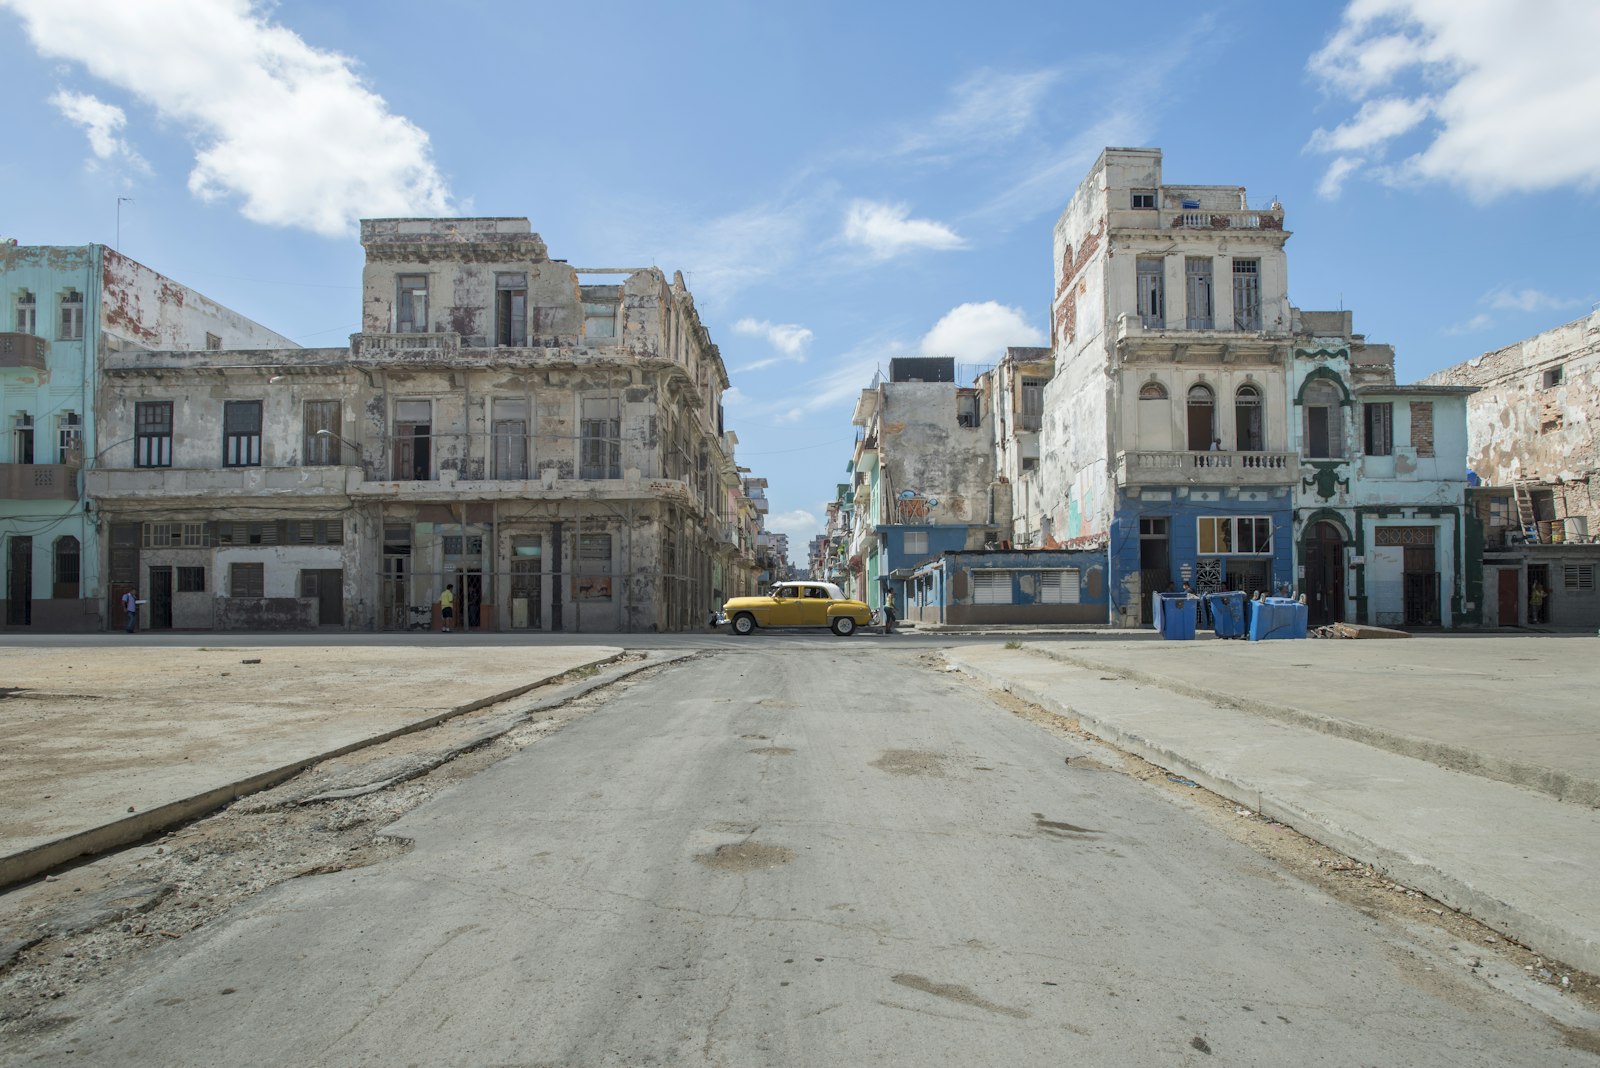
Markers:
{"x": 1532, "y": 442}
{"x": 67, "y": 310}
{"x": 1165, "y": 431}
{"x": 546, "y": 441}
{"x": 1379, "y": 508}
{"x": 1007, "y": 586}
{"x": 1012, "y": 407}
{"x": 927, "y": 461}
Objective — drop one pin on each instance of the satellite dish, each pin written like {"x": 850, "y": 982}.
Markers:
{"x": 906, "y": 495}
{"x": 933, "y": 502}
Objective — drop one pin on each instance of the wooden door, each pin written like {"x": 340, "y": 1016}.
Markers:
{"x": 1508, "y": 597}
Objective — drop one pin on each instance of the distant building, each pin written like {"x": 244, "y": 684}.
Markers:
{"x": 546, "y": 440}
{"x": 67, "y": 310}
{"x": 1165, "y": 433}
{"x": 1532, "y": 444}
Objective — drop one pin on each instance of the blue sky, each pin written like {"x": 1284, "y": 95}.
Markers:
{"x": 841, "y": 183}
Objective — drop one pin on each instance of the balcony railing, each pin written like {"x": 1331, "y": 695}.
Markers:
{"x": 38, "y": 482}
{"x": 1217, "y": 468}
{"x": 1208, "y": 219}
{"x": 361, "y": 343}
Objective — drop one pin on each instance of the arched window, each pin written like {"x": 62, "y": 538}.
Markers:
{"x": 1155, "y": 418}
{"x": 1152, "y": 391}
{"x": 1202, "y": 418}
{"x": 1249, "y": 419}
{"x": 1323, "y": 436}
{"x": 66, "y": 567}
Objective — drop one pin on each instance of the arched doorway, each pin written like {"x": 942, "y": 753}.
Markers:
{"x": 1324, "y": 585}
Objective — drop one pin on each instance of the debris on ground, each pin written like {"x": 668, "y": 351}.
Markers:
{"x": 1356, "y": 630}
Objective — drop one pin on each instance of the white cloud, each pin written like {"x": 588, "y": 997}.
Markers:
{"x": 1526, "y": 300}
{"x": 103, "y": 123}
{"x": 288, "y": 130}
{"x": 800, "y": 525}
{"x": 988, "y": 108}
{"x": 790, "y": 339}
{"x": 887, "y": 230}
{"x": 978, "y": 333}
{"x": 1479, "y": 322}
{"x": 1332, "y": 183}
{"x": 1506, "y": 99}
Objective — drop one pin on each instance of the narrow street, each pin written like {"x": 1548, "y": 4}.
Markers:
{"x": 801, "y": 852}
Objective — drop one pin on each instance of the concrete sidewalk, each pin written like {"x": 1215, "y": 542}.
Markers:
{"x": 103, "y": 747}
{"x": 1518, "y": 859}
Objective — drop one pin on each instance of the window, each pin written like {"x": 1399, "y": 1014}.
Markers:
{"x": 413, "y": 440}
{"x": 314, "y": 531}
{"x": 22, "y": 438}
{"x": 411, "y": 304}
{"x": 1579, "y": 578}
{"x": 509, "y": 425}
{"x": 152, "y": 440}
{"x": 1202, "y": 409}
{"x": 69, "y": 438}
{"x": 316, "y": 448}
{"x": 176, "y": 535}
{"x": 599, "y": 319}
{"x": 241, "y": 434}
{"x": 1230, "y": 535}
{"x": 1377, "y": 432}
{"x": 1032, "y": 403}
{"x": 213, "y": 342}
{"x": 27, "y": 318}
{"x": 916, "y": 543}
{"x": 991, "y": 587}
{"x": 1549, "y": 380}
{"x": 600, "y": 430}
{"x": 71, "y": 327}
{"x": 1324, "y": 421}
{"x": 247, "y": 580}
{"x": 1152, "y": 292}
{"x": 462, "y": 545}
{"x": 1143, "y": 199}
{"x": 1059, "y": 587}
{"x": 1153, "y": 391}
{"x": 510, "y": 309}
{"x": 1247, "y": 294}
{"x": 191, "y": 580}
{"x": 967, "y": 409}
{"x": 1422, "y": 427}
{"x": 1248, "y": 422}
{"x": 1198, "y": 289}
{"x": 1153, "y": 526}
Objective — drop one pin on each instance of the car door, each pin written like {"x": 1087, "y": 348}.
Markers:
{"x": 814, "y": 607}
{"x": 785, "y": 607}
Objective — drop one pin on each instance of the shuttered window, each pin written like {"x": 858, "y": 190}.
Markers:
{"x": 1059, "y": 587}
{"x": 991, "y": 587}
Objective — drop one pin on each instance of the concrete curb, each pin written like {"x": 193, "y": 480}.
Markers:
{"x": 35, "y": 861}
{"x": 1548, "y": 935}
{"x": 1560, "y": 785}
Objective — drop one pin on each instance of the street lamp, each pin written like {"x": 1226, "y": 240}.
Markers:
{"x": 325, "y": 433}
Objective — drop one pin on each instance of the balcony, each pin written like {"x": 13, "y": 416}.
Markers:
{"x": 23, "y": 350}
{"x": 1211, "y": 219}
{"x": 39, "y": 482}
{"x": 178, "y": 483}
{"x": 1142, "y": 467}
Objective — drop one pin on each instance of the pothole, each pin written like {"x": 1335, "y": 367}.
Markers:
{"x": 746, "y": 856}
{"x": 773, "y": 750}
{"x": 910, "y": 762}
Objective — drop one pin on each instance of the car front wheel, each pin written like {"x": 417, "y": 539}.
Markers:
{"x": 844, "y": 626}
{"x": 744, "y": 623}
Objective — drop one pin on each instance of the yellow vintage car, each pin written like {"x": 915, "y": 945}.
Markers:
{"x": 797, "y": 604}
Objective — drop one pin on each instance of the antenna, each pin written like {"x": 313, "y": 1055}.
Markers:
{"x": 118, "y": 245}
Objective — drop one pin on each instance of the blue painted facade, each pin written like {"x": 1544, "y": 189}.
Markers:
{"x": 1014, "y": 587}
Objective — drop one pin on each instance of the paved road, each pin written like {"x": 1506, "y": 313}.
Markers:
{"x": 801, "y": 853}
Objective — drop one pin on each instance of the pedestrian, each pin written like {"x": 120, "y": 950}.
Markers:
{"x": 1536, "y": 598}
{"x": 888, "y": 612}
{"x": 130, "y": 609}
{"x": 447, "y": 605}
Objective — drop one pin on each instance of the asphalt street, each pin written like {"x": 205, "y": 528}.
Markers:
{"x": 802, "y": 851}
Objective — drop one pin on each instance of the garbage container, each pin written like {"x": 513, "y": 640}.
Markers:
{"x": 1273, "y": 618}
{"x": 1227, "y": 613}
{"x": 1178, "y": 616}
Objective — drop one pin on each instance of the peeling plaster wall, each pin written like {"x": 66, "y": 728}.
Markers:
{"x": 141, "y": 308}
{"x": 1520, "y": 428}
{"x": 924, "y": 450}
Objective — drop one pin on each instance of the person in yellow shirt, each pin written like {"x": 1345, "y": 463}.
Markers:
{"x": 447, "y": 605}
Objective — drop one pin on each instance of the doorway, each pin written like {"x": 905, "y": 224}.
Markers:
{"x": 1539, "y": 575}
{"x": 160, "y": 598}
{"x": 1507, "y": 599}
{"x": 19, "y": 581}
{"x": 527, "y": 593}
{"x": 326, "y": 586}
{"x": 1421, "y": 587}
{"x": 1155, "y": 562}
{"x": 1324, "y": 586}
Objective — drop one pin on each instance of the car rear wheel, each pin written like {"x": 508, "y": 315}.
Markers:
{"x": 744, "y": 623}
{"x": 844, "y": 626}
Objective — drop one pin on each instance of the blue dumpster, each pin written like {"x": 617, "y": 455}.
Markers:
{"x": 1272, "y": 618}
{"x": 1177, "y": 616}
{"x": 1227, "y": 613}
